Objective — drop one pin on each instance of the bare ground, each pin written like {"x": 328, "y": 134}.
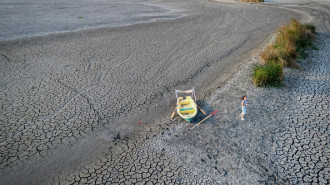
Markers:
{"x": 70, "y": 108}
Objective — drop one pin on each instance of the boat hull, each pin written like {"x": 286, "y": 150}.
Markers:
{"x": 188, "y": 119}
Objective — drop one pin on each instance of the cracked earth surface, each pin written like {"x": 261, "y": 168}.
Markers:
{"x": 57, "y": 114}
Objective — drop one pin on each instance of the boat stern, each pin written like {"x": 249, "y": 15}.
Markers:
{"x": 188, "y": 119}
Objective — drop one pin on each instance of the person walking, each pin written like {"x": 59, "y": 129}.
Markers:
{"x": 244, "y": 107}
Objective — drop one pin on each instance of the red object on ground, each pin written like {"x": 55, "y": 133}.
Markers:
{"x": 142, "y": 125}
{"x": 214, "y": 112}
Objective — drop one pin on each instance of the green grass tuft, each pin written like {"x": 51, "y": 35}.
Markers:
{"x": 268, "y": 74}
{"x": 310, "y": 27}
{"x": 80, "y": 17}
{"x": 315, "y": 48}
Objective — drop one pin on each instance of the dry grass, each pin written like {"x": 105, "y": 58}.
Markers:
{"x": 290, "y": 43}
{"x": 255, "y": 1}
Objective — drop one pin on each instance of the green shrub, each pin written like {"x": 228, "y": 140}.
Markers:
{"x": 301, "y": 45}
{"x": 310, "y": 28}
{"x": 268, "y": 74}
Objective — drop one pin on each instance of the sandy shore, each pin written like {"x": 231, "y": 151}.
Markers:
{"x": 71, "y": 101}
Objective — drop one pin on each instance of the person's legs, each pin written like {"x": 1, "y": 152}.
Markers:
{"x": 243, "y": 113}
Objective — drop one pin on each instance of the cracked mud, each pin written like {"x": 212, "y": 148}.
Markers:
{"x": 69, "y": 104}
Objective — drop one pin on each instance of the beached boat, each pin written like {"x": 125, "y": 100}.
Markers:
{"x": 186, "y": 105}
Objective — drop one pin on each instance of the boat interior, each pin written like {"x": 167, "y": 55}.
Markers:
{"x": 186, "y": 106}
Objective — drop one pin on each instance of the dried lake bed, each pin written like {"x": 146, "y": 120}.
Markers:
{"x": 71, "y": 98}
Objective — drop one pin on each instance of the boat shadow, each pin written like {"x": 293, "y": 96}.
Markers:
{"x": 208, "y": 109}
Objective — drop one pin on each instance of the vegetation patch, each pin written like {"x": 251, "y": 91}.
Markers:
{"x": 291, "y": 43}
{"x": 268, "y": 74}
{"x": 254, "y": 1}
